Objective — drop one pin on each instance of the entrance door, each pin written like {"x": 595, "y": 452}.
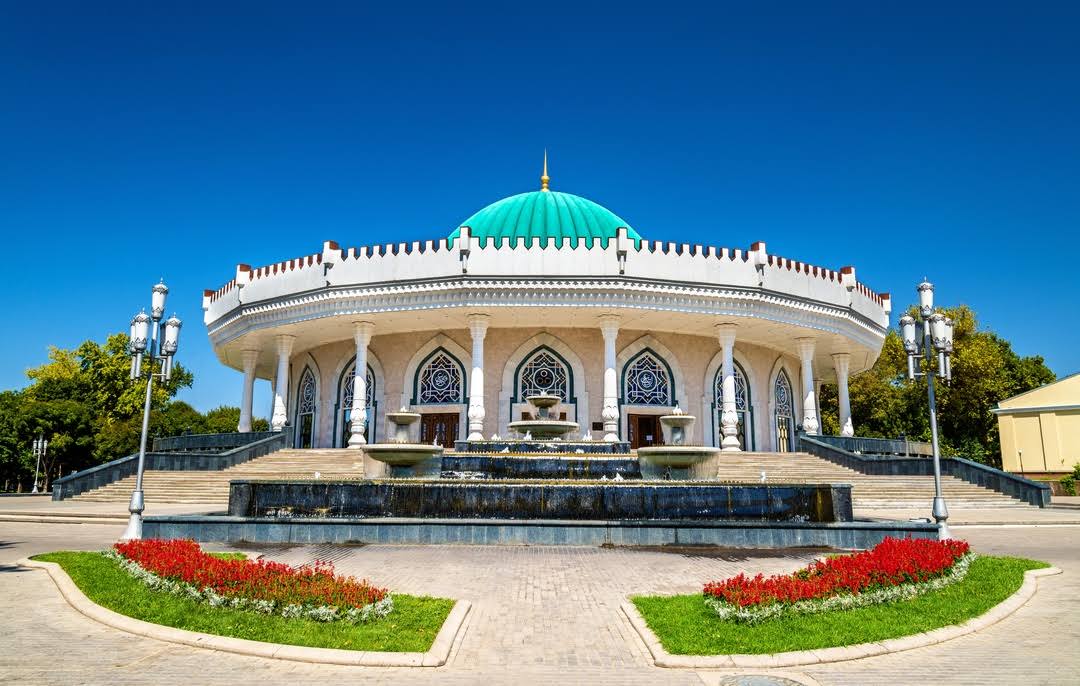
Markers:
{"x": 440, "y": 428}
{"x": 644, "y": 430}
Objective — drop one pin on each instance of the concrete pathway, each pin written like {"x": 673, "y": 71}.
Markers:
{"x": 542, "y": 615}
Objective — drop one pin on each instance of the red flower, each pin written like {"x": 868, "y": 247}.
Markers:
{"x": 891, "y": 563}
{"x": 314, "y": 584}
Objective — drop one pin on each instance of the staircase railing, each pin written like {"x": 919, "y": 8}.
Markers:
{"x": 879, "y": 446}
{"x": 177, "y": 460}
{"x": 1031, "y": 492}
{"x": 204, "y": 443}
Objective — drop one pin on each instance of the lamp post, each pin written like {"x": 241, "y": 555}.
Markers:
{"x": 936, "y": 337}
{"x": 41, "y": 445}
{"x": 144, "y": 338}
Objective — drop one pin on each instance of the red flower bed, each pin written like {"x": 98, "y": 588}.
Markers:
{"x": 314, "y": 584}
{"x": 891, "y": 563}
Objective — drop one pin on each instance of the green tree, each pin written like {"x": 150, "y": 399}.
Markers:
{"x": 986, "y": 371}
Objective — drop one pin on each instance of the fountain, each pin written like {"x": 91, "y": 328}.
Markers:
{"x": 544, "y": 427}
{"x": 677, "y": 460}
{"x": 402, "y": 457}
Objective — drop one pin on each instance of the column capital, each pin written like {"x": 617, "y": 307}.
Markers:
{"x": 284, "y": 343}
{"x": 609, "y": 324}
{"x": 806, "y": 347}
{"x": 841, "y": 361}
{"x": 363, "y": 328}
{"x": 725, "y": 332}
{"x": 478, "y": 324}
{"x": 250, "y": 358}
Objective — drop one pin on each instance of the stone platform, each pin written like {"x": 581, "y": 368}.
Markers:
{"x": 396, "y": 530}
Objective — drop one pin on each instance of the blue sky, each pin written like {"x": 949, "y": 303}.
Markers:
{"x": 178, "y": 139}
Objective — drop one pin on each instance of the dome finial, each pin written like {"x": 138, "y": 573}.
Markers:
{"x": 545, "y": 178}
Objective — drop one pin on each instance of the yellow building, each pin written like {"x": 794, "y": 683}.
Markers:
{"x": 1040, "y": 429}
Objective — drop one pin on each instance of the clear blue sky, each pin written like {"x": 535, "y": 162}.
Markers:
{"x": 916, "y": 139}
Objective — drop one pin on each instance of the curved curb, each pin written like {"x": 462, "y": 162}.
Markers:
{"x": 436, "y": 656}
{"x": 662, "y": 658}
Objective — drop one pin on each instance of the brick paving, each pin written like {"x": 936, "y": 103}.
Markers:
{"x": 541, "y": 615}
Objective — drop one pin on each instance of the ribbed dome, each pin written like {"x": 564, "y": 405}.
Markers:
{"x": 543, "y": 215}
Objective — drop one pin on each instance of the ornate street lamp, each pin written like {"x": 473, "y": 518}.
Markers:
{"x": 41, "y": 446}
{"x": 936, "y": 337}
{"x": 143, "y": 340}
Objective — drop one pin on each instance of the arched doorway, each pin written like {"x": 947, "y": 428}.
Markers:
{"x": 784, "y": 413}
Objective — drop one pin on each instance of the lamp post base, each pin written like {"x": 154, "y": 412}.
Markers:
{"x": 133, "y": 531}
{"x": 941, "y": 515}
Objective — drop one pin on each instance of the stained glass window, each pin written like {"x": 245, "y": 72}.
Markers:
{"x": 440, "y": 380}
{"x": 544, "y": 374}
{"x": 646, "y": 382}
{"x": 307, "y": 393}
{"x": 785, "y": 411}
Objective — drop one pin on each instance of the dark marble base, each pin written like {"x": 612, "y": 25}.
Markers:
{"x": 541, "y": 500}
{"x": 730, "y": 534}
{"x": 466, "y": 466}
{"x": 565, "y": 447}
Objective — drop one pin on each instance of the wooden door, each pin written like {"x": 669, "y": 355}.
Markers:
{"x": 643, "y": 430}
{"x": 441, "y": 427}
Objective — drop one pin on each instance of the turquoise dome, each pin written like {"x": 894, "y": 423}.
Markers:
{"x": 546, "y": 214}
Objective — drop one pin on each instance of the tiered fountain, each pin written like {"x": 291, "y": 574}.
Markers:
{"x": 544, "y": 426}
{"x": 676, "y": 460}
{"x": 402, "y": 457}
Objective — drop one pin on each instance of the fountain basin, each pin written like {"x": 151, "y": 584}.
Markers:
{"x": 408, "y": 459}
{"x": 678, "y": 462}
{"x": 543, "y": 429}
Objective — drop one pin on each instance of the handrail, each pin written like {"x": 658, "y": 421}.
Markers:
{"x": 203, "y": 442}
{"x": 880, "y": 446}
{"x": 178, "y": 461}
{"x": 1031, "y": 492}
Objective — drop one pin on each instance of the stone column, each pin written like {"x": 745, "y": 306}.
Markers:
{"x": 281, "y": 384}
{"x": 729, "y": 418}
{"x": 478, "y": 326}
{"x": 842, "y": 364}
{"x": 250, "y": 358}
{"x": 362, "y": 332}
{"x": 609, "y": 327}
{"x": 810, "y": 416}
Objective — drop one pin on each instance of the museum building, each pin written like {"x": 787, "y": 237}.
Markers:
{"x": 546, "y": 292}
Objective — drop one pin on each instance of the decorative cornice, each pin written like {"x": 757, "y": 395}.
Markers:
{"x": 610, "y": 294}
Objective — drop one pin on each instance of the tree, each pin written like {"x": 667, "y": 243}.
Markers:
{"x": 986, "y": 371}
{"x": 84, "y": 402}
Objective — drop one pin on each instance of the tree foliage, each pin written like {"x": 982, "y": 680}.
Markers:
{"x": 986, "y": 371}
{"x": 84, "y": 402}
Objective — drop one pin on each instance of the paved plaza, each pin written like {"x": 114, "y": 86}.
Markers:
{"x": 541, "y": 615}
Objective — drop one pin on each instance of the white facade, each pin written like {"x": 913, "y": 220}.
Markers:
{"x": 624, "y": 330}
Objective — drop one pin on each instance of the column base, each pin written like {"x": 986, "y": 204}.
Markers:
{"x": 475, "y": 436}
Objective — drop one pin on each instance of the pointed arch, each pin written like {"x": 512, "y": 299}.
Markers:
{"x": 783, "y": 411}
{"x": 453, "y": 358}
{"x": 510, "y": 401}
{"x": 307, "y": 408}
{"x": 655, "y": 358}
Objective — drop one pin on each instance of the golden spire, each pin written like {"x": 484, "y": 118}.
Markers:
{"x": 545, "y": 178}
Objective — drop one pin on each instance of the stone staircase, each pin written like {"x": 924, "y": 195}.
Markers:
{"x": 212, "y": 487}
{"x": 868, "y": 492}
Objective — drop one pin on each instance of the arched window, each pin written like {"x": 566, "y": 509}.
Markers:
{"x": 306, "y": 400}
{"x": 345, "y": 406}
{"x": 742, "y": 407}
{"x": 544, "y": 374}
{"x": 784, "y": 413}
{"x": 647, "y": 381}
{"x": 440, "y": 380}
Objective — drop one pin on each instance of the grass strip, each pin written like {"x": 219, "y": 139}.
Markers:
{"x": 411, "y": 627}
{"x": 686, "y": 626}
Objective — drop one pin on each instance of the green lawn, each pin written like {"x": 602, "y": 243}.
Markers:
{"x": 411, "y": 627}
{"x": 685, "y": 626}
